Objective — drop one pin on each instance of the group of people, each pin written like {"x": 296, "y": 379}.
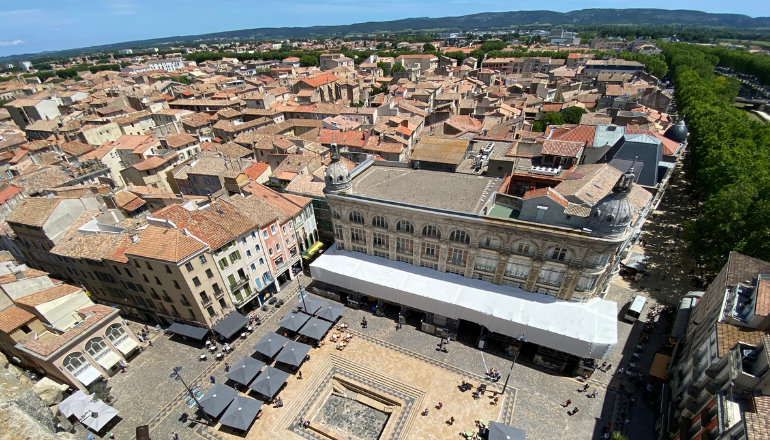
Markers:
{"x": 304, "y": 423}
{"x": 493, "y": 375}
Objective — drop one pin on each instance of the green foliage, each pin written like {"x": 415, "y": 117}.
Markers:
{"x": 572, "y": 115}
{"x": 458, "y": 55}
{"x": 427, "y": 47}
{"x": 308, "y": 60}
{"x": 4, "y": 101}
{"x": 548, "y": 118}
{"x": 490, "y": 46}
{"x": 728, "y": 161}
{"x": 397, "y": 68}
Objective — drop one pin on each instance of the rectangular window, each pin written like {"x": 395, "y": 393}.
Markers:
{"x": 243, "y": 241}
{"x": 117, "y": 269}
{"x": 455, "y": 270}
{"x": 404, "y": 245}
{"x": 486, "y": 262}
{"x": 429, "y": 251}
{"x": 278, "y": 247}
{"x": 517, "y": 269}
{"x": 357, "y": 236}
{"x": 235, "y": 256}
{"x": 381, "y": 254}
{"x": 272, "y": 229}
{"x": 261, "y": 261}
{"x": 404, "y": 259}
{"x": 149, "y": 267}
{"x": 380, "y": 240}
{"x": 188, "y": 266}
{"x": 284, "y": 229}
{"x": 457, "y": 257}
{"x": 157, "y": 281}
{"x": 253, "y": 235}
{"x": 257, "y": 248}
{"x": 248, "y": 253}
{"x": 209, "y": 273}
{"x": 551, "y": 276}
{"x": 270, "y": 251}
{"x": 253, "y": 267}
{"x": 265, "y": 233}
{"x": 586, "y": 283}
{"x": 195, "y": 281}
{"x": 128, "y": 272}
{"x": 338, "y": 232}
{"x": 358, "y": 249}
{"x": 223, "y": 263}
{"x": 202, "y": 259}
{"x": 168, "y": 269}
{"x": 429, "y": 265}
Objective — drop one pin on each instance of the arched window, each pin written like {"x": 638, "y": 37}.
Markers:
{"x": 459, "y": 236}
{"x": 115, "y": 332}
{"x": 74, "y": 361}
{"x": 523, "y": 247}
{"x": 431, "y": 231}
{"x": 380, "y": 222}
{"x": 490, "y": 242}
{"x": 95, "y": 346}
{"x": 405, "y": 226}
{"x": 559, "y": 254}
{"x": 356, "y": 217}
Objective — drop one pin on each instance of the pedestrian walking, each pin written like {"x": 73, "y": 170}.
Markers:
{"x": 174, "y": 435}
{"x": 494, "y": 401}
{"x": 299, "y": 375}
{"x": 451, "y": 421}
{"x": 213, "y": 379}
{"x": 594, "y": 394}
{"x": 124, "y": 364}
{"x": 440, "y": 405}
{"x": 575, "y": 410}
{"x": 149, "y": 342}
{"x": 227, "y": 367}
{"x": 567, "y": 403}
{"x": 609, "y": 367}
{"x": 585, "y": 387}
{"x": 141, "y": 338}
{"x": 90, "y": 437}
{"x": 363, "y": 323}
{"x": 398, "y": 326}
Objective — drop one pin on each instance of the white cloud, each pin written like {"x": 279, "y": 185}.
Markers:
{"x": 11, "y": 43}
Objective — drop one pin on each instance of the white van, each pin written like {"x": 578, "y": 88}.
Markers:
{"x": 636, "y": 308}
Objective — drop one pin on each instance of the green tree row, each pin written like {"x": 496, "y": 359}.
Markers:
{"x": 728, "y": 160}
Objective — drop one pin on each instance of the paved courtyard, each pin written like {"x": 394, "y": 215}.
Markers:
{"x": 382, "y": 353}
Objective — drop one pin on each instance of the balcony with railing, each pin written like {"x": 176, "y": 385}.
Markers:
{"x": 380, "y": 244}
{"x": 219, "y": 293}
{"x": 239, "y": 282}
{"x": 550, "y": 281}
{"x": 206, "y": 301}
{"x": 430, "y": 256}
{"x": 404, "y": 249}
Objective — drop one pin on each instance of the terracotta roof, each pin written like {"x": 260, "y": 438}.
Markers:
{"x": 349, "y": 138}
{"x": 320, "y": 80}
{"x": 47, "y": 295}
{"x": 153, "y": 162}
{"x": 132, "y": 142}
{"x": 546, "y": 192}
{"x": 582, "y": 133}
{"x": 29, "y": 273}
{"x": 14, "y": 317}
{"x": 256, "y": 169}
{"x": 35, "y": 145}
{"x": 33, "y": 211}
{"x": 100, "y": 152}
{"x": 9, "y": 192}
{"x": 216, "y": 224}
{"x": 763, "y": 297}
{"x": 289, "y": 204}
{"x": 729, "y": 335}
{"x": 757, "y": 426}
{"x": 179, "y": 139}
{"x": 76, "y": 148}
{"x": 94, "y": 314}
{"x": 164, "y": 244}
{"x": 562, "y": 148}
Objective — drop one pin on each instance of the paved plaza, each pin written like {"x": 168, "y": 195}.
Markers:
{"x": 392, "y": 359}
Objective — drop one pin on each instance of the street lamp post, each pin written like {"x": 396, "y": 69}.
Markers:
{"x": 301, "y": 292}
{"x": 522, "y": 339}
{"x": 176, "y": 376}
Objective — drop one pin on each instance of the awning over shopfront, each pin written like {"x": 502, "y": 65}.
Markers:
{"x": 127, "y": 345}
{"x": 231, "y": 325}
{"x": 89, "y": 375}
{"x": 188, "y": 330}
{"x": 587, "y": 329}
{"x": 660, "y": 366}
{"x": 109, "y": 359}
{"x": 313, "y": 250}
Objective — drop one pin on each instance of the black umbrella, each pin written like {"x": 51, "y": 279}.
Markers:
{"x": 499, "y": 431}
{"x": 217, "y": 399}
{"x": 270, "y": 381}
{"x": 330, "y": 311}
{"x": 241, "y": 413}
{"x": 315, "y": 328}
{"x": 293, "y": 321}
{"x": 270, "y": 344}
{"x": 231, "y": 325}
{"x": 293, "y": 354}
{"x": 245, "y": 370}
{"x": 312, "y": 303}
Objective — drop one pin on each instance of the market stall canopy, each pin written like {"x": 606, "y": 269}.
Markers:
{"x": 217, "y": 399}
{"x": 231, "y": 325}
{"x": 500, "y": 431}
{"x": 245, "y": 370}
{"x": 330, "y": 311}
{"x": 188, "y": 330}
{"x": 269, "y": 382}
{"x": 585, "y": 329}
{"x": 636, "y": 261}
{"x": 315, "y": 328}
{"x": 270, "y": 344}
{"x": 293, "y": 354}
{"x": 67, "y": 405}
{"x": 310, "y": 304}
{"x": 660, "y": 366}
{"x": 97, "y": 414}
{"x": 241, "y": 413}
{"x": 293, "y": 321}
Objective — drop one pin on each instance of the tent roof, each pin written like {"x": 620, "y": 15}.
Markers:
{"x": 241, "y": 413}
{"x": 315, "y": 328}
{"x": 270, "y": 344}
{"x": 330, "y": 311}
{"x": 293, "y": 321}
{"x": 500, "y": 431}
{"x": 293, "y": 354}
{"x": 217, "y": 398}
{"x": 270, "y": 381}
{"x": 588, "y": 329}
{"x": 188, "y": 330}
{"x": 245, "y": 370}
{"x": 67, "y": 405}
{"x": 231, "y": 325}
{"x": 660, "y": 365}
{"x": 104, "y": 413}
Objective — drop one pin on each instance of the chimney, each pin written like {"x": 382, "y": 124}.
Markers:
{"x": 20, "y": 275}
{"x": 186, "y": 232}
{"x": 135, "y": 239}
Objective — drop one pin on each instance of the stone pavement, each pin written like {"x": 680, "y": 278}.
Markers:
{"x": 147, "y": 395}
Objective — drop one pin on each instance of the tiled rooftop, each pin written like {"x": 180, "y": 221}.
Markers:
{"x": 94, "y": 315}
{"x": 164, "y": 244}
{"x": 47, "y": 295}
{"x": 14, "y": 317}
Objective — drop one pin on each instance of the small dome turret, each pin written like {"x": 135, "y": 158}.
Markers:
{"x": 337, "y": 175}
{"x": 614, "y": 212}
{"x": 677, "y": 132}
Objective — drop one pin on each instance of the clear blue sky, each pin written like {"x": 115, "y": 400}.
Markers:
{"x": 34, "y": 26}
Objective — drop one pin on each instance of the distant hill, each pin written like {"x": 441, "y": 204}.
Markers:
{"x": 486, "y": 20}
